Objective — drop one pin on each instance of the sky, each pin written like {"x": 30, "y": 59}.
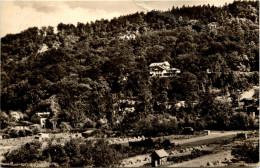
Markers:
{"x": 17, "y": 16}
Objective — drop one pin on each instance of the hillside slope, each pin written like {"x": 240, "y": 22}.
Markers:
{"x": 84, "y": 68}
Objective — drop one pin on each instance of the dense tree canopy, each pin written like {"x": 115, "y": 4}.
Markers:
{"x": 90, "y": 67}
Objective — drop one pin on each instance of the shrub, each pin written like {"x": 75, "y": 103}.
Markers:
{"x": 56, "y": 153}
{"x": 156, "y": 126}
{"x": 30, "y": 152}
{"x": 240, "y": 121}
{"x": 28, "y": 132}
{"x": 64, "y": 127}
{"x": 104, "y": 155}
{"x": 88, "y": 124}
{"x": 72, "y": 149}
{"x": 248, "y": 152}
{"x": 13, "y": 133}
{"x": 166, "y": 144}
{"x": 21, "y": 133}
{"x": 145, "y": 143}
{"x": 86, "y": 151}
{"x": 72, "y": 154}
{"x": 35, "y": 130}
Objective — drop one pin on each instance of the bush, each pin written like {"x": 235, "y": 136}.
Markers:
{"x": 13, "y": 133}
{"x": 28, "y": 132}
{"x": 156, "y": 126}
{"x": 166, "y": 144}
{"x": 56, "y": 153}
{"x": 21, "y": 133}
{"x": 89, "y": 124}
{"x": 72, "y": 154}
{"x": 145, "y": 143}
{"x": 104, "y": 155}
{"x": 86, "y": 150}
{"x": 36, "y": 130}
{"x": 72, "y": 149}
{"x": 65, "y": 127}
{"x": 248, "y": 152}
{"x": 241, "y": 121}
{"x": 30, "y": 152}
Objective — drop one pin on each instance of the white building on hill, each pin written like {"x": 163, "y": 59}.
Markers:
{"x": 162, "y": 69}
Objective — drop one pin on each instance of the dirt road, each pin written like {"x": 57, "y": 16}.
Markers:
{"x": 202, "y": 138}
{"x": 208, "y": 160}
{"x": 132, "y": 161}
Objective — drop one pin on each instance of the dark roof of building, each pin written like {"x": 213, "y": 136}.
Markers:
{"x": 157, "y": 68}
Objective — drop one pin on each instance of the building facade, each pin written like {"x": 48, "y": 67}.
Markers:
{"x": 162, "y": 69}
{"x": 40, "y": 118}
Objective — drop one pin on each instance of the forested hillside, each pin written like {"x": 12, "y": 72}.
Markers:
{"x": 82, "y": 72}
